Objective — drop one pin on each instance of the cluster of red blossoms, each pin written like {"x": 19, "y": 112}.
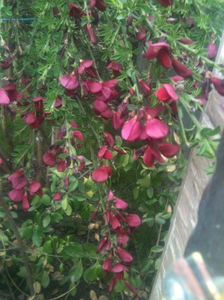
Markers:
{"x": 122, "y": 224}
{"x": 21, "y": 189}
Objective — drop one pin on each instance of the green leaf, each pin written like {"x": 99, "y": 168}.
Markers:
{"x": 47, "y": 247}
{"x": 76, "y": 272}
{"x": 73, "y": 251}
{"x": 46, "y": 221}
{"x": 94, "y": 272}
{"x": 45, "y": 280}
{"x": 64, "y": 203}
{"x": 36, "y": 238}
{"x": 46, "y": 200}
{"x": 150, "y": 192}
{"x": 73, "y": 186}
{"x": 68, "y": 210}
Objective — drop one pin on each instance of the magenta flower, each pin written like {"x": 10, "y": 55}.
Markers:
{"x": 102, "y": 173}
{"x": 131, "y": 130}
{"x": 49, "y": 159}
{"x": 131, "y": 288}
{"x": 116, "y": 67}
{"x": 218, "y": 84}
{"x": 25, "y": 203}
{"x": 16, "y": 195}
{"x": 117, "y": 120}
{"x": 124, "y": 255}
{"x": 122, "y": 237}
{"x": 58, "y": 102}
{"x": 181, "y": 69}
{"x": 57, "y": 196}
{"x": 212, "y": 50}
{"x": 108, "y": 139}
{"x": 160, "y": 51}
{"x": 77, "y": 134}
{"x": 91, "y": 33}
{"x": 118, "y": 268}
{"x": 133, "y": 220}
{"x": 107, "y": 265}
{"x": 62, "y": 166}
{"x": 4, "y": 99}
{"x": 100, "y": 4}
{"x": 120, "y": 204}
{"x": 114, "y": 222}
{"x": 166, "y": 93}
{"x": 82, "y": 163}
{"x": 186, "y": 41}
{"x": 144, "y": 87}
{"x": 34, "y": 187}
{"x": 101, "y": 152}
{"x": 156, "y": 129}
{"x": 18, "y": 180}
{"x": 69, "y": 81}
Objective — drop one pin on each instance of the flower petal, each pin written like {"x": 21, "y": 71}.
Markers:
{"x": 133, "y": 220}
{"x": 4, "y": 99}
{"x": 168, "y": 149}
{"x": 69, "y": 81}
{"x": 101, "y": 174}
{"x": 156, "y": 129}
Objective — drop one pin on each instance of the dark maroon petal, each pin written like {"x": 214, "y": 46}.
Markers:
{"x": 69, "y": 81}
{"x": 102, "y": 152}
{"x": 94, "y": 87}
{"x": 91, "y": 34}
{"x": 148, "y": 158}
{"x": 171, "y": 92}
{"x": 82, "y": 162}
{"x": 49, "y": 159}
{"x": 131, "y": 130}
{"x": 122, "y": 238}
{"x": 153, "y": 49}
{"x": 30, "y": 118}
{"x": 37, "y": 99}
{"x": 112, "y": 284}
{"x": 212, "y": 50}
{"x": 133, "y": 220}
{"x": 16, "y": 195}
{"x": 181, "y": 69}
{"x": 18, "y": 180}
{"x": 117, "y": 120}
{"x": 78, "y": 134}
{"x": 62, "y": 166}
{"x": 165, "y": 3}
{"x": 155, "y": 111}
{"x": 34, "y": 187}
{"x": 4, "y": 99}
{"x": 168, "y": 149}
{"x": 57, "y": 196}
{"x": 114, "y": 66}
{"x": 74, "y": 10}
{"x": 186, "y": 41}
{"x": 124, "y": 255}
{"x": 218, "y": 84}
{"x": 117, "y": 268}
{"x": 58, "y": 102}
{"x": 107, "y": 265}
{"x": 131, "y": 288}
{"x": 108, "y": 139}
{"x": 164, "y": 59}
{"x": 141, "y": 36}
{"x": 74, "y": 124}
{"x": 85, "y": 64}
{"x": 101, "y": 5}
{"x": 110, "y": 83}
{"x": 144, "y": 87}
{"x": 156, "y": 129}
{"x": 25, "y": 203}
{"x": 101, "y": 174}
{"x": 99, "y": 106}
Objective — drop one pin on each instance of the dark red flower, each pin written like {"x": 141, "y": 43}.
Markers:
{"x": 108, "y": 139}
{"x": 165, "y": 3}
{"x": 61, "y": 167}
{"x": 107, "y": 265}
{"x": 101, "y": 174}
{"x": 166, "y": 93}
{"x": 181, "y": 69}
{"x": 18, "y": 180}
{"x": 144, "y": 87}
{"x": 160, "y": 51}
{"x": 74, "y": 11}
{"x": 131, "y": 288}
{"x": 49, "y": 159}
{"x": 120, "y": 204}
{"x": 101, "y": 152}
{"x": 7, "y": 62}
{"x": 133, "y": 220}
{"x": 116, "y": 67}
{"x": 164, "y": 58}
{"x": 82, "y": 162}
{"x": 117, "y": 120}
{"x": 118, "y": 268}
{"x": 78, "y": 134}
{"x": 122, "y": 237}
{"x": 112, "y": 284}
{"x": 16, "y": 195}
{"x": 58, "y": 102}
{"x": 100, "y": 4}
{"x": 57, "y": 196}
{"x": 168, "y": 149}
{"x": 25, "y": 203}
{"x": 91, "y": 34}
{"x": 124, "y": 255}
{"x": 69, "y": 81}
{"x": 34, "y": 187}
{"x": 186, "y": 41}
{"x": 218, "y": 84}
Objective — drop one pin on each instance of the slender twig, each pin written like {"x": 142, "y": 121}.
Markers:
{"x": 21, "y": 244}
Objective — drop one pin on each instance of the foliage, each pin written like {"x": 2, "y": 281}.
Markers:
{"x": 92, "y": 114}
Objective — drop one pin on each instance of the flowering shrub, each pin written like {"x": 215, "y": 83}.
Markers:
{"x": 94, "y": 100}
